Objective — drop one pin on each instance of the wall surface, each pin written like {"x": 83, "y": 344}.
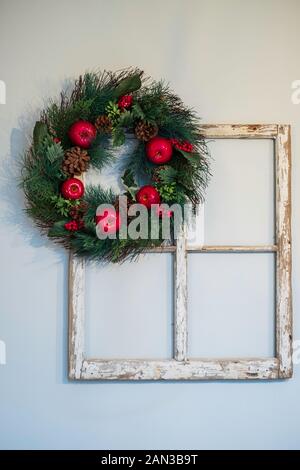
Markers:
{"x": 234, "y": 61}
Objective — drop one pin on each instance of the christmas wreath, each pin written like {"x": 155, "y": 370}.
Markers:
{"x": 169, "y": 163}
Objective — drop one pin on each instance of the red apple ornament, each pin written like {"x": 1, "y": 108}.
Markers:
{"x": 159, "y": 150}
{"x": 82, "y": 133}
{"x": 72, "y": 188}
{"x": 147, "y": 196}
{"x": 109, "y": 221}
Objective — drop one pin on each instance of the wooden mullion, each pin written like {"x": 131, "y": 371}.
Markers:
{"x": 180, "y": 298}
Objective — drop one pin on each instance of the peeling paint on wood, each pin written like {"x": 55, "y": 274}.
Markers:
{"x": 233, "y": 249}
{"x": 239, "y": 131}
{"x": 218, "y": 249}
{"x": 283, "y": 264}
{"x": 174, "y": 370}
{"x": 76, "y": 316}
{"x": 180, "y": 307}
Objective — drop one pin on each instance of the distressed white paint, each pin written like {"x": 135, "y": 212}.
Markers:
{"x": 217, "y": 249}
{"x": 283, "y": 263}
{"x": 233, "y": 249}
{"x": 76, "y": 316}
{"x": 173, "y": 370}
{"x": 239, "y": 131}
{"x": 180, "y": 298}
{"x": 181, "y": 368}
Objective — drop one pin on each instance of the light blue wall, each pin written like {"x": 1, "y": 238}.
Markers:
{"x": 234, "y": 61}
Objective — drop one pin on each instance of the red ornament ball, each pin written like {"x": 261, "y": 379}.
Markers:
{"x": 125, "y": 102}
{"x": 148, "y": 195}
{"x": 159, "y": 150}
{"x": 82, "y": 133}
{"x": 109, "y": 221}
{"x": 72, "y": 188}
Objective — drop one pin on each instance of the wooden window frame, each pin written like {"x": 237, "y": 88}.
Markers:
{"x": 180, "y": 367}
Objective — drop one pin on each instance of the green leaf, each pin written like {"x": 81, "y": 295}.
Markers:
{"x": 128, "y": 85}
{"x": 129, "y": 183}
{"x": 58, "y": 229}
{"x": 54, "y": 152}
{"x": 137, "y": 111}
{"x": 126, "y": 119}
{"x": 100, "y": 152}
{"x": 62, "y": 205}
{"x": 40, "y": 132}
{"x": 167, "y": 191}
{"x": 118, "y": 137}
{"x": 128, "y": 178}
{"x": 167, "y": 174}
{"x": 113, "y": 111}
{"x": 191, "y": 157}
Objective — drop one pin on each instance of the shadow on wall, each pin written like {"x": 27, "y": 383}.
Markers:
{"x": 14, "y": 217}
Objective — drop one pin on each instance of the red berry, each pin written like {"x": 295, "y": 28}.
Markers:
{"x": 56, "y": 140}
{"x": 72, "y": 188}
{"x": 147, "y": 196}
{"x": 82, "y": 133}
{"x": 109, "y": 221}
{"x": 125, "y": 102}
{"x": 159, "y": 150}
{"x": 182, "y": 145}
{"x": 72, "y": 226}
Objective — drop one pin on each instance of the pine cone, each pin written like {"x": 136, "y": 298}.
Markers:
{"x": 103, "y": 124}
{"x": 76, "y": 161}
{"x": 145, "y": 131}
{"x": 77, "y": 212}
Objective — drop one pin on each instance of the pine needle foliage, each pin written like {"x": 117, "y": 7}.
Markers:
{"x": 183, "y": 179}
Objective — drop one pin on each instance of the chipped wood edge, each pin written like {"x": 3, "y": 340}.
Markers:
{"x": 239, "y": 131}
{"x": 233, "y": 249}
{"x": 217, "y": 248}
{"x": 284, "y": 324}
{"x": 206, "y": 369}
{"x": 180, "y": 300}
{"x": 76, "y": 315}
